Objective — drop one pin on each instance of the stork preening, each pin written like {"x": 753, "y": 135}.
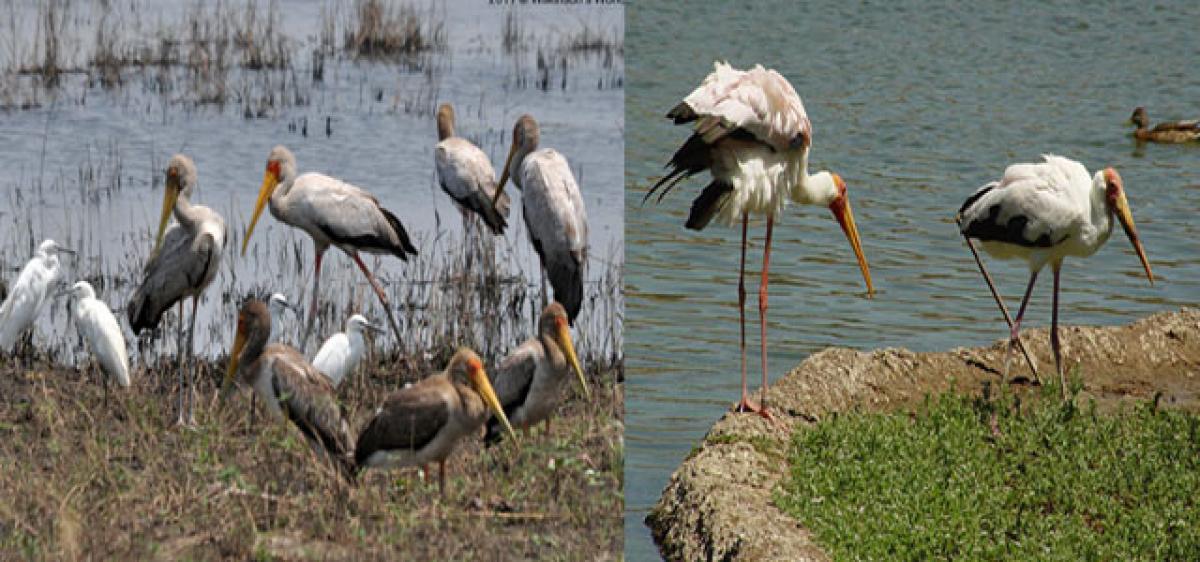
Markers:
{"x": 465, "y": 173}
{"x": 343, "y": 351}
{"x": 1043, "y": 213}
{"x": 27, "y": 296}
{"x": 332, "y": 212}
{"x": 750, "y": 131}
{"x": 529, "y": 381}
{"x": 552, "y": 207}
{"x": 422, "y": 423}
{"x": 182, "y": 265}
{"x": 102, "y": 334}
{"x": 290, "y": 388}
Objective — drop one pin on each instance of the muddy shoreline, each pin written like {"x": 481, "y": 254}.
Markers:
{"x": 718, "y": 503}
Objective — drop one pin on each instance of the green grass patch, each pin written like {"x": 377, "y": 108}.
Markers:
{"x": 1004, "y": 478}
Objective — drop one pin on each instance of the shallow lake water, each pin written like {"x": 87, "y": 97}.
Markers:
{"x": 915, "y": 105}
{"x": 83, "y": 163}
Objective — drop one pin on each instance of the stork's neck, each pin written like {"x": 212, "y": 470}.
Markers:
{"x": 1099, "y": 213}
{"x": 518, "y": 161}
{"x": 554, "y": 354}
{"x": 188, "y": 215}
{"x": 817, "y": 189}
{"x": 255, "y": 344}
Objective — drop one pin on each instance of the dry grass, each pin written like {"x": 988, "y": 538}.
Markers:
{"x": 388, "y": 29}
{"x": 121, "y": 482}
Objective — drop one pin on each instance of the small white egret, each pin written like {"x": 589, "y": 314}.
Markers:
{"x": 277, "y": 305}
{"x": 28, "y": 295}
{"x": 342, "y": 352}
{"x": 99, "y": 328}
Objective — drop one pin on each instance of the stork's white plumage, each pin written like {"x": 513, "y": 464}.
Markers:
{"x": 466, "y": 174}
{"x": 343, "y": 351}
{"x": 331, "y": 212}
{"x": 750, "y": 131}
{"x": 99, "y": 328}
{"x": 27, "y": 296}
{"x": 1043, "y": 213}
{"x": 553, "y": 211}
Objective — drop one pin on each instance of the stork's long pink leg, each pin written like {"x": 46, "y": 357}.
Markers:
{"x": 1054, "y": 342}
{"x": 312, "y": 312}
{"x": 1000, "y": 303}
{"x": 379, "y": 293}
{"x": 745, "y": 404}
{"x": 762, "y": 315}
{"x": 1015, "y": 335}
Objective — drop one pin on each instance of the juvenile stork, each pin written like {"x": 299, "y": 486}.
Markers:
{"x": 529, "y": 381}
{"x": 750, "y": 131}
{"x": 27, "y": 296}
{"x": 422, "y": 423}
{"x": 465, "y": 173}
{"x": 332, "y": 212}
{"x": 553, "y": 211}
{"x": 182, "y": 265}
{"x": 289, "y": 386}
{"x": 1043, "y": 213}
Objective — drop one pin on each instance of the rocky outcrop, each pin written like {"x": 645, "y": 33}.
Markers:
{"x": 719, "y": 505}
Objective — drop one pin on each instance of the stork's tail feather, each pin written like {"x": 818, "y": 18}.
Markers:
{"x": 706, "y": 206}
{"x": 681, "y": 113}
{"x": 691, "y": 158}
{"x": 494, "y": 215}
{"x": 570, "y": 295}
{"x": 406, "y": 247}
{"x": 142, "y": 313}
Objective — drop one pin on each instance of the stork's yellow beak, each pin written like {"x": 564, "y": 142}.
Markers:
{"x": 479, "y": 379}
{"x": 845, "y": 217}
{"x": 1121, "y": 208}
{"x": 270, "y": 180}
{"x": 170, "y": 196}
{"x": 239, "y": 342}
{"x": 512, "y": 150}
{"x": 568, "y": 346}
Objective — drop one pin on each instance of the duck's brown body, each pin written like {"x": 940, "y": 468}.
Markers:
{"x": 1172, "y": 132}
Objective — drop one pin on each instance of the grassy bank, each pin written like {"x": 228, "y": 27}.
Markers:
{"x": 79, "y": 479}
{"x": 1027, "y": 477}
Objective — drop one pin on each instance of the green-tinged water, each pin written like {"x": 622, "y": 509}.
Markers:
{"x": 915, "y": 105}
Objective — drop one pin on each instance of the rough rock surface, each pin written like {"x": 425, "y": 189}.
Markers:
{"x": 718, "y": 504}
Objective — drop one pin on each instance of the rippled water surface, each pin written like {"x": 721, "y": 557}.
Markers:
{"x": 82, "y": 162}
{"x": 915, "y": 105}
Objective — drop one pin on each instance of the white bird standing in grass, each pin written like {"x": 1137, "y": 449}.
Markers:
{"x": 28, "y": 295}
{"x": 343, "y": 351}
{"x": 1043, "y": 213}
{"x": 553, "y": 211}
{"x": 99, "y": 328}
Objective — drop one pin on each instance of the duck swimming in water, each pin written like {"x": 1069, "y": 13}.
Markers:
{"x": 1165, "y": 132}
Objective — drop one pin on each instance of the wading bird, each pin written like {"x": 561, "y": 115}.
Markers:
{"x": 1165, "y": 132}
{"x": 343, "y": 351}
{"x": 466, "y": 175}
{"x": 289, "y": 386}
{"x": 553, "y": 211}
{"x": 99, "y": 328}
{"x": 752, "y": 134}
{"x": 420, "y": 424}
{"x": 529, "y": 381}
{"x": 277, "y": 305}
{"x": 27, "y": 295}
{"x": 184, "y": 263}
{"x": 1043, "y": 213}
{"x": 332, "y": 212}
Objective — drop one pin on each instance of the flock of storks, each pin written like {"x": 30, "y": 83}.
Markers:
{"x": 415, "y": 425}
{"x": 751, "y": 133}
